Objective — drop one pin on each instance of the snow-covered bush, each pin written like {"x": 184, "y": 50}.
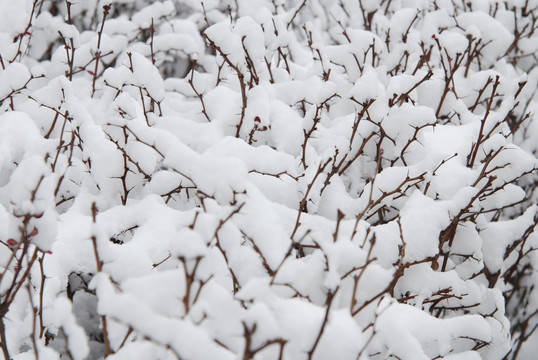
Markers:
{"x": 255, "y": 179}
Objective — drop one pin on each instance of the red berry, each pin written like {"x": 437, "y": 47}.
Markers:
{"x": 11, "y": 242}
{"x": 34, "y": 232}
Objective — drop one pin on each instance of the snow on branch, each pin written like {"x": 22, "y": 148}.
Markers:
{"x": 277, "y": 180}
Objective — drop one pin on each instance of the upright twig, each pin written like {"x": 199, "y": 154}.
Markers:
{"x": 106, "y": 10}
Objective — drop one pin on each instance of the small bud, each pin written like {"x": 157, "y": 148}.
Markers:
{"x": 38, "y": 216}
{"x": 34, "y": 232}
{"x": 11, "y": 242}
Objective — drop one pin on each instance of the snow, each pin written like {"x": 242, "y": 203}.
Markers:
{"x": 13, "y": 78}
{"x": 492, "y": 32}
{"x": 76, "y": 337}
{"x": 422, "y": 220}
{"x": 143, "y": 17}
{"x": 404, "y": 325}
{"x": 163, "y": 330}
{"x": 268, "y": 180}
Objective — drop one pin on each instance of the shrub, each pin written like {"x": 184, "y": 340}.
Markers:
{"x": 268, "y": 179}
